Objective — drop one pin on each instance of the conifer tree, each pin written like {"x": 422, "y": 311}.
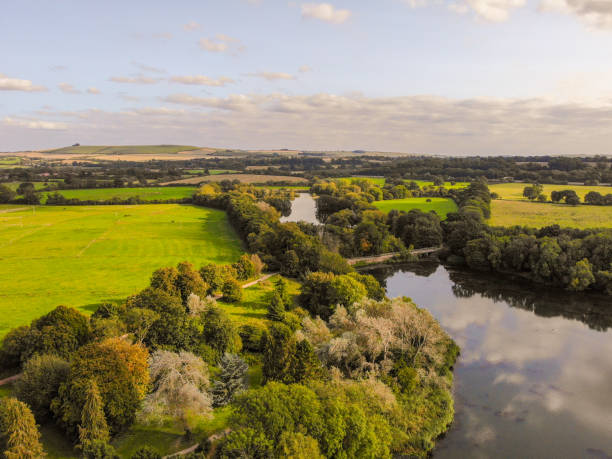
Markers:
{"x": 93, "y": 430}
{"x": 276, "y": 308}
{"x": 231, "y": 380}
{"x": 19, "y": 436}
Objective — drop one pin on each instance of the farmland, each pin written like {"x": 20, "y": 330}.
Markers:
{"x": 441, "y": 206}
{"x": 121, "y": 150}
{"x": 144, "y": 193}
{"x": 514, "y": 191}
{"x": 535, "y": 214}
{"x": 82, "y": 256}
{"x": 380, "y": 181}
{"x": 244, "y": 178}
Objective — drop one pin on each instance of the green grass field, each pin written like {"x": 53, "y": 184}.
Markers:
{"x": 37, "y": 185}
{"x": 83, "y": 255}
{"x": 441, "y": 206}
{"x": 144, "y": 193}
{"x": 537, "y": 215}
{"x": 514, "y": 191}
{"x": 121, "y": 149}
{"x": 381, "y": 181}
{"x": 9, "y": 161}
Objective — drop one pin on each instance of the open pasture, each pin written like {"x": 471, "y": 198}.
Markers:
{"x": 243, "y": 178}
{"x": 144, "y": 193}
{"x": 537, "y": 215}
{"x": 380, "y": 181}
{"x": 441, "y": 206}
{"x": 85, "y": 255}
{"x": 121, "y": 150}
{"x": 514, "y": 191}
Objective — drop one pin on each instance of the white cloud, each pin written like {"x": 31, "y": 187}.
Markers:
{"x": 93, "y": 90}
{"x": 201, "y": 80}
{"x": 16, "y": 84}
{"x": 140, "y": 79}
{"x": 148, "y": 68}
{"x": 272, "y": 76}
{"x": 489, "y": 10}
{"x": 221, "y": 43}
{"x": 594, "y": 13}
{"x": 325, "y": 12}
{"x": 305, "y": 69}
{"x": 192, "y": 25}
{"x": 67, "y": 88}
{"x": 34, "y": 124}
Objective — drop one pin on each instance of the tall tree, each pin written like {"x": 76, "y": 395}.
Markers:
{"x": 19, "y": 436}
{"x": 93, "y": 425}
{"x": 231, "y": 381}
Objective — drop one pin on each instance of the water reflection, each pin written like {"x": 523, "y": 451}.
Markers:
{"x": 303, "y": 208}
{"x": 535, "y": 375}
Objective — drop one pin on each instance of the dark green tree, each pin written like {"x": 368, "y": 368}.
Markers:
{"x": 232, "y": 379}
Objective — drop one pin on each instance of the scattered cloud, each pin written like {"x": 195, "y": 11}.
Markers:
{"x": 201, "y": 80}
{"x": 140, "y": 79}
{"x": 594, "y": 13}
{"x": 163, "y": 35}
{"x": 30, "y": 123}
{"x": 67, "y": 88}
{"x": 221, "y": 44}
{"x": 58, "y": 68}
{"x": 17, "y": 84}
{"x": 93, "y": 90}
{"x": 488, "y": 10}
{"x": 148, "y": 68}
{"x": 272, "y": 76}
{"x": 305, "y": 69}
{"x": 192, "y": 25}
{"x": 325, "y": 12}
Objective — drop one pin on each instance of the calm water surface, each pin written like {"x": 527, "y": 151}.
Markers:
{"x": 534, "y": 379}
{"x": 303, "y": 208}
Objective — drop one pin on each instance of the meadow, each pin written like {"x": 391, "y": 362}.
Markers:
{"x": 537, "y": 215}
{"x": 243, "y": 178}
{"x": 514, "y": 191}
{"x": 121, "y": 150}
{"x": 380, "y": 181}
{"x": 82, "y": 256}
{"x": 441, "y": 206}
{"x": 144, "y": 193}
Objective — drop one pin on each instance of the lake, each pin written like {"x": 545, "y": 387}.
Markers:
{"x": 534, "y": 378}
{"x": 303, "y": 208}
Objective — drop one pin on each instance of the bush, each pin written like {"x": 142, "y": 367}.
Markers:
{"x": 251, "y": 337}
{"x": 232, "y": 291}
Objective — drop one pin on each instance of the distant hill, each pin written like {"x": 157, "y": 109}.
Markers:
{"x": 121, "y": 150}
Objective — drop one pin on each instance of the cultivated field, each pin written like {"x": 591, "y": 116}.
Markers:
{"x": 144, "y": 193}
{"x": 514, "y": 191}
{"x": 82, "y": 256}
{"x": 244, "y": 178}
{"x": 121, "y": 150}
{"x": 535, "y": 214}
{"x": 441, "y": 206}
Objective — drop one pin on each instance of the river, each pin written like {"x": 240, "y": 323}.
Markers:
{"x": 534, "y": 379}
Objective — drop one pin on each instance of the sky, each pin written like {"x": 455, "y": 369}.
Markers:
{"x": 452, "y": 77}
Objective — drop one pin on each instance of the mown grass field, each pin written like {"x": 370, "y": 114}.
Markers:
{"x": 514, "y": 191}
{"x": 144, "y": 193}
{"x": 121, "y": 149}
{"x": 441, "y": 206}
{"x": 537, "y": 215}
{"x": 84, "y": 255}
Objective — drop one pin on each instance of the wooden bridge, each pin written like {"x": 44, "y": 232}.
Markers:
{"x": 388, "y": 256}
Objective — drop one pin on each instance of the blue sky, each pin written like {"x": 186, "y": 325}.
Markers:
{"x": 417, "y": 76}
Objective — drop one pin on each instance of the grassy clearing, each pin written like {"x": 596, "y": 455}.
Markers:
{"x": 243, "y": 178}
{"x": 144, "y": 193}
{"x": 514, "y": 191}
{"x": 441, "y": 206}
{"x": 537, "y": 215}
{"x": 254, "y": 306}
{"x": 84, "y": 255}
{"x": 9, "y": 161}
{"x": 121, "y": 150}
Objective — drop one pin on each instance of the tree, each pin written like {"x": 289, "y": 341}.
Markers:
{"x": 40, "y": 382}
{"x": 24, "y": 188}
{"x": 219, "y": 332}
{"x": 165, "y": 279}
{"x": 6, "y": 194}
{"x": 276, "y": 307}
{"x": 119, "y": 369}
{"x": 245, "y": 268}
{"x": 581, "y": 275}
{"x": 232, "y": 291}
{"x": 19, "y": 436}
{"x": 232, "y": 379}
{"x": 189, "y": 281}
{"x": 180, "y": 383}
{"x": 139, "y": 321}
{"x": 594, "y": 198}
{"x": 322, "y": 292}
{"x": 93, "y": 430}
{"x": 533, "y": 191}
